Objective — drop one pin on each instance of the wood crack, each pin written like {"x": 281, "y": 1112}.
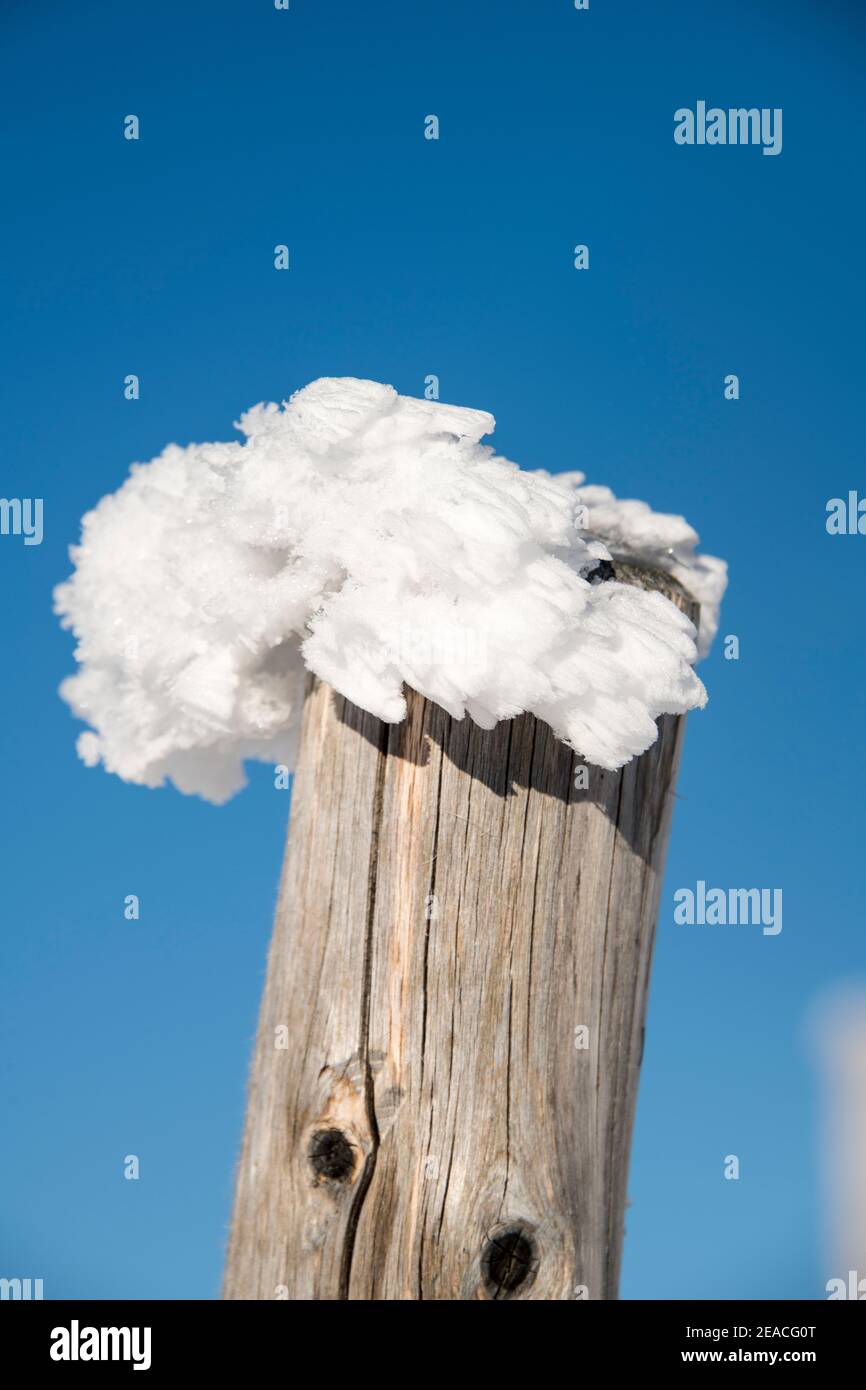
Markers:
{"x": 364, "y": 1041}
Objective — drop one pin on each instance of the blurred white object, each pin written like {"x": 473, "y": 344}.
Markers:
{"x": 840, "y": 1031}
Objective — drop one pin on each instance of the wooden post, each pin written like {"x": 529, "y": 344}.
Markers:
{"x": 447, "y": 1061}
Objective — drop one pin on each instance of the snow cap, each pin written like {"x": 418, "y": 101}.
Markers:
{"x": 372, "y": 539}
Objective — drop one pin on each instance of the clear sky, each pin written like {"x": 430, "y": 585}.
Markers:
{"x": 412, "y": 257}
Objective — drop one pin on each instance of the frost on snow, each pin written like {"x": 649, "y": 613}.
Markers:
{"x": 370, "y": 538}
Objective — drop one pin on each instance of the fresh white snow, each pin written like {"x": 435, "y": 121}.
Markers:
{"x": 371, "y": 538}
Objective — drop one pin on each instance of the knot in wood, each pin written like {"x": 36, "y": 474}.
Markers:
{"x": 507, "y": 1261}
{"x": 332, "y": 1157}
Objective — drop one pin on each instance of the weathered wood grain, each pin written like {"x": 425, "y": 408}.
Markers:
{"x": 454, "y": 913}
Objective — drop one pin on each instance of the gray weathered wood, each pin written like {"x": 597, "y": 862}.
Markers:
{"x": 453, "y": 913}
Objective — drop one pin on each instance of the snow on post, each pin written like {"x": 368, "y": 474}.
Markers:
{"x": 478, "y": 673}
{"x": 375, "y": 541}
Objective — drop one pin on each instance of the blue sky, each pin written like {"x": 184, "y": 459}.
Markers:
{"x": 412, "y": 257}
